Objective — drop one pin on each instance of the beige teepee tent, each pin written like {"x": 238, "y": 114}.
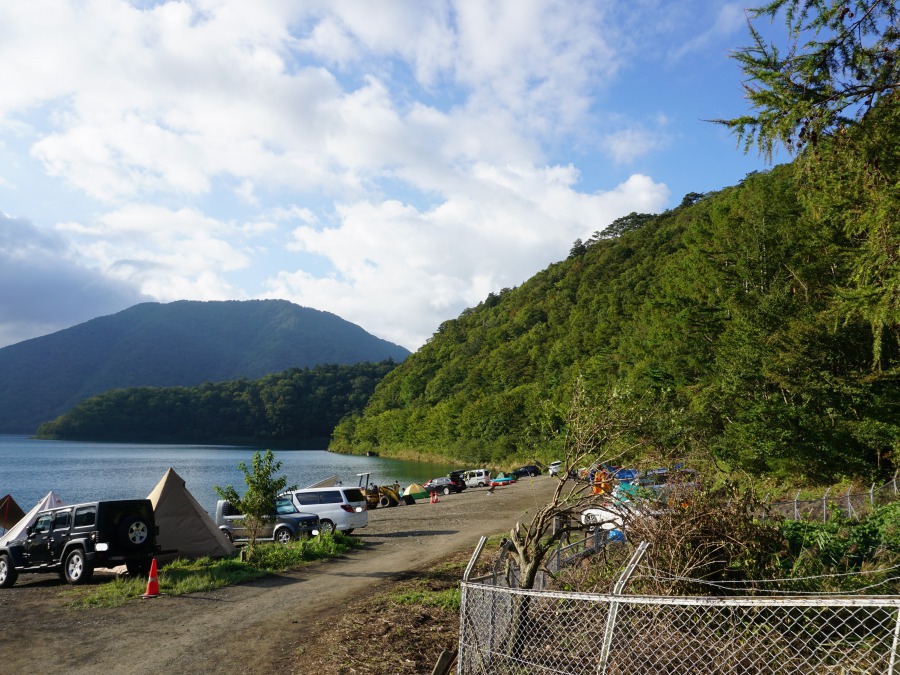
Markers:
{"x": 185, "y": 529}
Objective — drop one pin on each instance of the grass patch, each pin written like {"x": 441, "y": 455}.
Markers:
{"x": 205, "y": 574}
{"x": 448, "y": 598}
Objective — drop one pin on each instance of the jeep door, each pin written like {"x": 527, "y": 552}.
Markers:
{"x": 59, "y": 533}
{"x": 37, "y": 546}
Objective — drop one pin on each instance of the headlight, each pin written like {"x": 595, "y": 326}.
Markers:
{"x": 315, "y": 533}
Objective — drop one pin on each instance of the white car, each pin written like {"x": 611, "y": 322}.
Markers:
{"x": 338, "y": 508}
{"x": 554, "y": 468}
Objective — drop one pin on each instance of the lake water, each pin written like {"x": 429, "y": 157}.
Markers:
{"x": 81, "y": 472}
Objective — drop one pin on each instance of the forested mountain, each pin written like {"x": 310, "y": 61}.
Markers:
{"x": 176, "y": 344}
{"x": 758, "y": 325}
{"x": 297, "y": 408}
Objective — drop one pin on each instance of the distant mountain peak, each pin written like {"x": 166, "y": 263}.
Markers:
{"x": 180, "y": 343}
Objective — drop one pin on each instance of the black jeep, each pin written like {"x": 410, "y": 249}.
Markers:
{"x": 73, "y": 540}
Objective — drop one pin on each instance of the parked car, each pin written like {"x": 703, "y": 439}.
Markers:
{"x": 477, "y": 477}
{"x": 554, "y": 468}
{"x": 444, "y": 485}
{"x": 285, "y": 525}
{"x": 74, "y": 540}
{"x": 526, "y": 471}
{"x": 338, "y": 508}
{"x": 502, "y": 479}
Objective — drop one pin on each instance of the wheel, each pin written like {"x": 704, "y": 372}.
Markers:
{"x": 480, "y": 484}
{"x": 8, "y": 573}
{"x": 227, "y": 535}
{"x": 138, "y": 568}
{"x": 385, "y": 501}
{"x": 446, "y": 490}
{"x": 326, "y": 526}
{"x": 134, "y": 532}
{"x": 283, "y": 535}
{"x": 76, "y": 568}
{"x": 350, "y": 531}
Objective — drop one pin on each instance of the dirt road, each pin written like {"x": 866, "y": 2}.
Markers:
{"x": 251, "y": 628}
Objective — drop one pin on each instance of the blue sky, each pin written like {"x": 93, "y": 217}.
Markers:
{"x": 391, "y": 162}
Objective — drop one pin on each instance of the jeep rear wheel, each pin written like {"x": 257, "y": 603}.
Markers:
{"x": 134, "y": 532}
{"x": 76, "y": 568}
{"x": 283, "y": 536}
{"x": 8, "y": 573}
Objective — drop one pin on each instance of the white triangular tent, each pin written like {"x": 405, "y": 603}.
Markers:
{"x": 50, "y": 501}
{"x": 185, "y": 529}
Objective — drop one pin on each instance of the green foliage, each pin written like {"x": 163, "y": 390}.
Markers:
{"x": 263, "y": 486}
{"x": 447, "y": 599}
{"x": 299, "y": 407}
{"x": 839, "y": 59}
{"x": 835, "y": 550}
{"x": 759, "y": 325}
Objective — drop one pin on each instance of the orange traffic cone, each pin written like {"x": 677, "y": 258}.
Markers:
{"x": 152, "y": 582}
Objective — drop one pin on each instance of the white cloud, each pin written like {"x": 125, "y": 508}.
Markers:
{"x": 407, "y": 144}
{"x": 401, "y": 271}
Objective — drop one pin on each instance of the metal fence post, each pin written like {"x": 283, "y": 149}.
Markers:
{"x": 872, "y": 496}
{"x": 614, "y": 606}
{"x": 894, "y": 645}
{"x": 850, "y": 513}
{"x": 475, "y": 555}
{"x": 825, "y": 506}
{"x": 796, "y": 508}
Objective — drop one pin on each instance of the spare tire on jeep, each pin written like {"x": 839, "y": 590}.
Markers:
{"x": 134, "y": 531}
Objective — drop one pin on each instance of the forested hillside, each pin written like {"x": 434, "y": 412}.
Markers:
{"x": 181, "y": 343}
{"x": 758, "y": 324}
{"x": 297, "y": 408}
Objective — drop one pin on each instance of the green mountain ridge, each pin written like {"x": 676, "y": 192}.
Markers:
{"x": 757, "y": 326}
{"x": 181, "y": 343}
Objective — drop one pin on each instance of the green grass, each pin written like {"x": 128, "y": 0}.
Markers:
{"x": 205, "y": 574}
{"x": 448, "y": 598}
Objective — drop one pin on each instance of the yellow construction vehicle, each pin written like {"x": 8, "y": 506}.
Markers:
{"x": 380, "y": 495}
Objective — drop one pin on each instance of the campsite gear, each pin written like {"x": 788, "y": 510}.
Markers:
{"x": 185, "y": 529}
{"x": 415, "y": 491}
{"x": 152, "y": 582}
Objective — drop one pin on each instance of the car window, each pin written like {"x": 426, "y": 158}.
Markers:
{"x": 283, "y": 506}
{"x": 42, "y": 524}
{"x": 85, "y": 516}
{"x": 332, "y": 497}
{"x": 355, "y": 495}
{"x": 61, "y": 520}
{"x": 306, "y": 498}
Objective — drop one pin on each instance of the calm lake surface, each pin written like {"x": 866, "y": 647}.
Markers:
{"x": 81, "y": 472}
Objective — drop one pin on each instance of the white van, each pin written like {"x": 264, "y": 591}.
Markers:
{"x": 338, "y": 508}
{"x": 477, "y": 478}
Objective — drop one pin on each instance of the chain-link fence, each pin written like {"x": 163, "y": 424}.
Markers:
{"x": 854, "y": 503}
{"x": 506, "y": 630}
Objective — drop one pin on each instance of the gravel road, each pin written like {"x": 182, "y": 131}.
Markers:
{"x": 255, "y": 627}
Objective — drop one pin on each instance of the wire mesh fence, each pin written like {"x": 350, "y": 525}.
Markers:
{"x": 853, "y": 504}
{"x": 507, "y": 630}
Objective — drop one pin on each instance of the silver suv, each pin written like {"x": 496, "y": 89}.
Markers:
{"x": 285, "y": 525}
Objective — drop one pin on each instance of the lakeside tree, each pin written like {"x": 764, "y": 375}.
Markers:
{"x": 258, "y": 503}
{"x": 838, "y": 60}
